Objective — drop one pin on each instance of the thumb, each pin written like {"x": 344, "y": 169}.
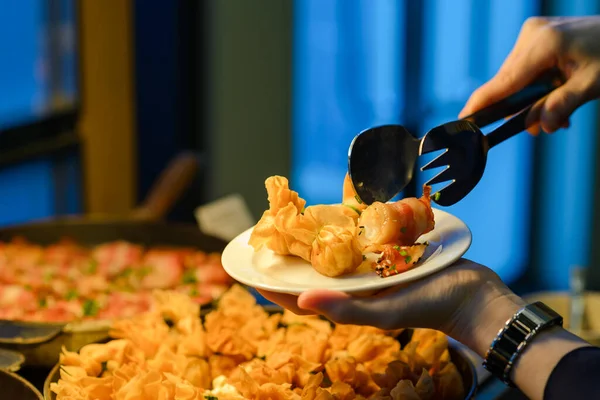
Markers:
{"x": 397, "y": 307}
{"x": 513, "y": 76}
{"x": 563, "y": 101}
{"x": 343, "y": 308}
{"x": 321, "y": 299}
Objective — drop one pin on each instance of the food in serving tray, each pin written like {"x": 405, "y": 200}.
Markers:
{"x": 240, "y": 351}
{"x": 337, "y": 239}
{"x": 64, "y": 282}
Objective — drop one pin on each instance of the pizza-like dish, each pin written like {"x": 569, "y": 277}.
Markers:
{"x": 66, "y": 282}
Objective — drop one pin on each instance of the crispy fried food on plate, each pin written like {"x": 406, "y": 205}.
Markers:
{"x": 281, "y": 200}
{"x": 350, "y": 199}
{"x": 335, "y": 238}
{"x": 335, "y": 251}
{"x": 400, "y": 223}
{"x": 302, "y": 231}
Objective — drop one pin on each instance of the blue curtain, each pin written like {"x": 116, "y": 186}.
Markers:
{"x": 465, "y": 42}
{"x": 348, "y": 75}
{"x": 27, "y": 190}
{"x": 21, "y": 34}
{"x": 565, "y": 198}
{"x": 26, "y": 193}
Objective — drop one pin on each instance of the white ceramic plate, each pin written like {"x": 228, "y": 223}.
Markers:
{"x": 266, "y": 270}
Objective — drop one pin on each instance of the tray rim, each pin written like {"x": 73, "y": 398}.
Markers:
{"x": 25, "y": 382}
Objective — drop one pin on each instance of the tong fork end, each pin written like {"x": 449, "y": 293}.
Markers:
{"x": 440, "y": 161}
{"x": 444, "y": 176}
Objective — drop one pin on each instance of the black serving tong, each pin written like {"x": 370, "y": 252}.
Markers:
{"x": 381, "y": 160}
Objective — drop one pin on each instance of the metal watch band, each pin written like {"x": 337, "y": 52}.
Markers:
{"x": 514, "y": 337}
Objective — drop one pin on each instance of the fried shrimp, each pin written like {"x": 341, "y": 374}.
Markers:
{"x": 400, "y": 223}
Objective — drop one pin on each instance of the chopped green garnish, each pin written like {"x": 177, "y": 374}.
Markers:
{"x": 397, "y": 248}
{"x": 364, "y": 257}
{"x": 47, "y": 276}
{"x": 407, "y": 259}
{"x": 437, "y": 196}
{"x": 356, "y": 210}
{"x": 92, "y": 267}
{"x": 393, "y": 267}
{"x": 189, "y": 276}
{"x": 71, "y": 294}
{"x": 210, "y": 397}
{"x": 143, "y": 271}
{"x": 126, "y": 272}
{"x": 358, "y": 199}
{"x": 90, "y": 308}
{"x": 194, "y": 292}
{"x": 403, "y": 253}
{"x": 43, "y": 303}
{"x": 403, "y": 229}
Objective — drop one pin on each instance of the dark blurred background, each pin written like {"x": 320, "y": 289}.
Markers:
{"x": 97, "y": 96}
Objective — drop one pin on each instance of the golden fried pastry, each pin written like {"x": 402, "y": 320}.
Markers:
{"x": 282, "y": 201}
{"x": 404, "y": 390}
{"x": 369, "y": 347}
{"x": 425, "y": 387}
{"x": 335, "y": 238}
{"x": 335, "y": 251}
{"x": 240, "y": 352}
{"x": 448, "y": 383}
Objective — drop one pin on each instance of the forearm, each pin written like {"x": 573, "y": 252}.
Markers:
{"x": 489, "y": 311}
{"x": 533, "y": 368}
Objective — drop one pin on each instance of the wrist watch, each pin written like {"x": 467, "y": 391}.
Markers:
{"x": 514, "y": 337}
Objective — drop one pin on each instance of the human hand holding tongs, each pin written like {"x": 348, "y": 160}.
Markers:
{"x": 381, "y": 160}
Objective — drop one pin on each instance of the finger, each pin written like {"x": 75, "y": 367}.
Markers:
{"x": 533, "y": 117}
{"x": 428, "y": 303}
{"x": 315, "y": 299}
{"x": 563, "y": 101}
{"x": 534, "y": 129}
{"x": 287, "y": 301}
{"x": 398, "y": 309}
{"x": 344, "y": 309}
{"x": 516, "y": 73}
{"x": 319, "y": 299}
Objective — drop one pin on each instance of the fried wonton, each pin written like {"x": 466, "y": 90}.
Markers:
{"x": 238, "y": 351}
{"x": 282, "y": 201}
